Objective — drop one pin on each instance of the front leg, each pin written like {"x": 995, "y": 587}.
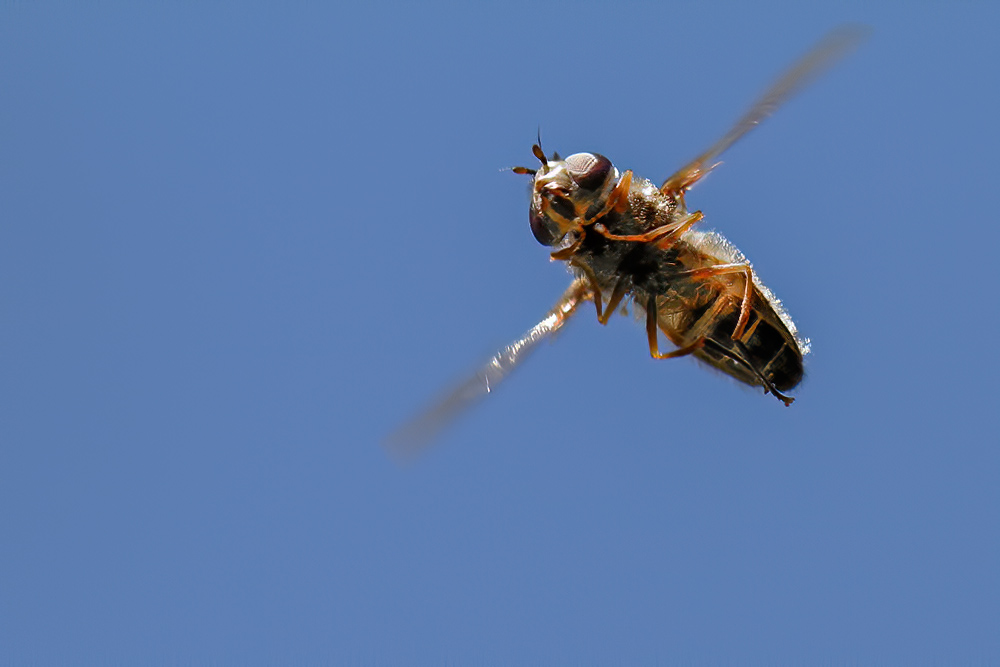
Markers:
{"x": 617, "y": 293}
{"x": 617, "y": 199}
{"x": 663, "y": 235}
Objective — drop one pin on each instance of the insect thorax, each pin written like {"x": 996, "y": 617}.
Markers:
{"x": 646, "y": 267}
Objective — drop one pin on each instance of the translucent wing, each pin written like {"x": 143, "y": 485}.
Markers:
{"x": 833, "y": 47}
{"x": 412, "y": 437}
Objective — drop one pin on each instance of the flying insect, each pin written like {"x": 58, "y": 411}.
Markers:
{"x": 625, "y": 240}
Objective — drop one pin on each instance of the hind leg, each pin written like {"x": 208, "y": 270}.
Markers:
{"x": 653, "y": 337}
{"x": 742, "y": 356}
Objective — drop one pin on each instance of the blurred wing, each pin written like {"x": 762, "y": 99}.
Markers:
{"x": 833, "y": 47}
{"x": 412, "y": 437}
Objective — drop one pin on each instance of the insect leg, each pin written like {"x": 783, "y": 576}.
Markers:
{"x": 617, "y": 200}
{"x": 652, "y": 336}
{"x": 594, "y": 287}
{"x": 661, "y": 234}
{"x": 568, "y": 251}
{"x": 741, "y": 355}
{"x": 617, "y": 293}
{"x": 723, "y": 269}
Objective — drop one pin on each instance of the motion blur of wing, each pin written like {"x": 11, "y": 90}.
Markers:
{"x": 414, "y": 436}
{"x": 837, "y": 44}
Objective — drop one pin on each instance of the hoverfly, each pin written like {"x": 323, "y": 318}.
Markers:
{"x": 624, "y": 239}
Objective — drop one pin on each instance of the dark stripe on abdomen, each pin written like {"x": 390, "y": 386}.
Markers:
{"x": 767, "y": 348}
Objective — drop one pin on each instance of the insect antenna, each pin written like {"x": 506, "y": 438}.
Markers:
{"x": 537, "y": 151}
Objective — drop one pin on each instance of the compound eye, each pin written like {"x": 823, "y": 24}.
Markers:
{"x": 588, "y": 170}
{"x": 545, "y": 231}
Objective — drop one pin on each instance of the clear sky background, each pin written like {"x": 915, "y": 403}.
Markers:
{"x": 241, "y": 243}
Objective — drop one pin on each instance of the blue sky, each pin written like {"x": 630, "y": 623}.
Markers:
{"x": 240, "y": 244}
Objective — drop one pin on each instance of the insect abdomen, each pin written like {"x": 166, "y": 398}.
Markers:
{"x": 765, "y": 344}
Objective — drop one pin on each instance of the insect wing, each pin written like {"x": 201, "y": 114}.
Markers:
{"x": 413, "y": 437}
{"x": 834, "y": 46}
